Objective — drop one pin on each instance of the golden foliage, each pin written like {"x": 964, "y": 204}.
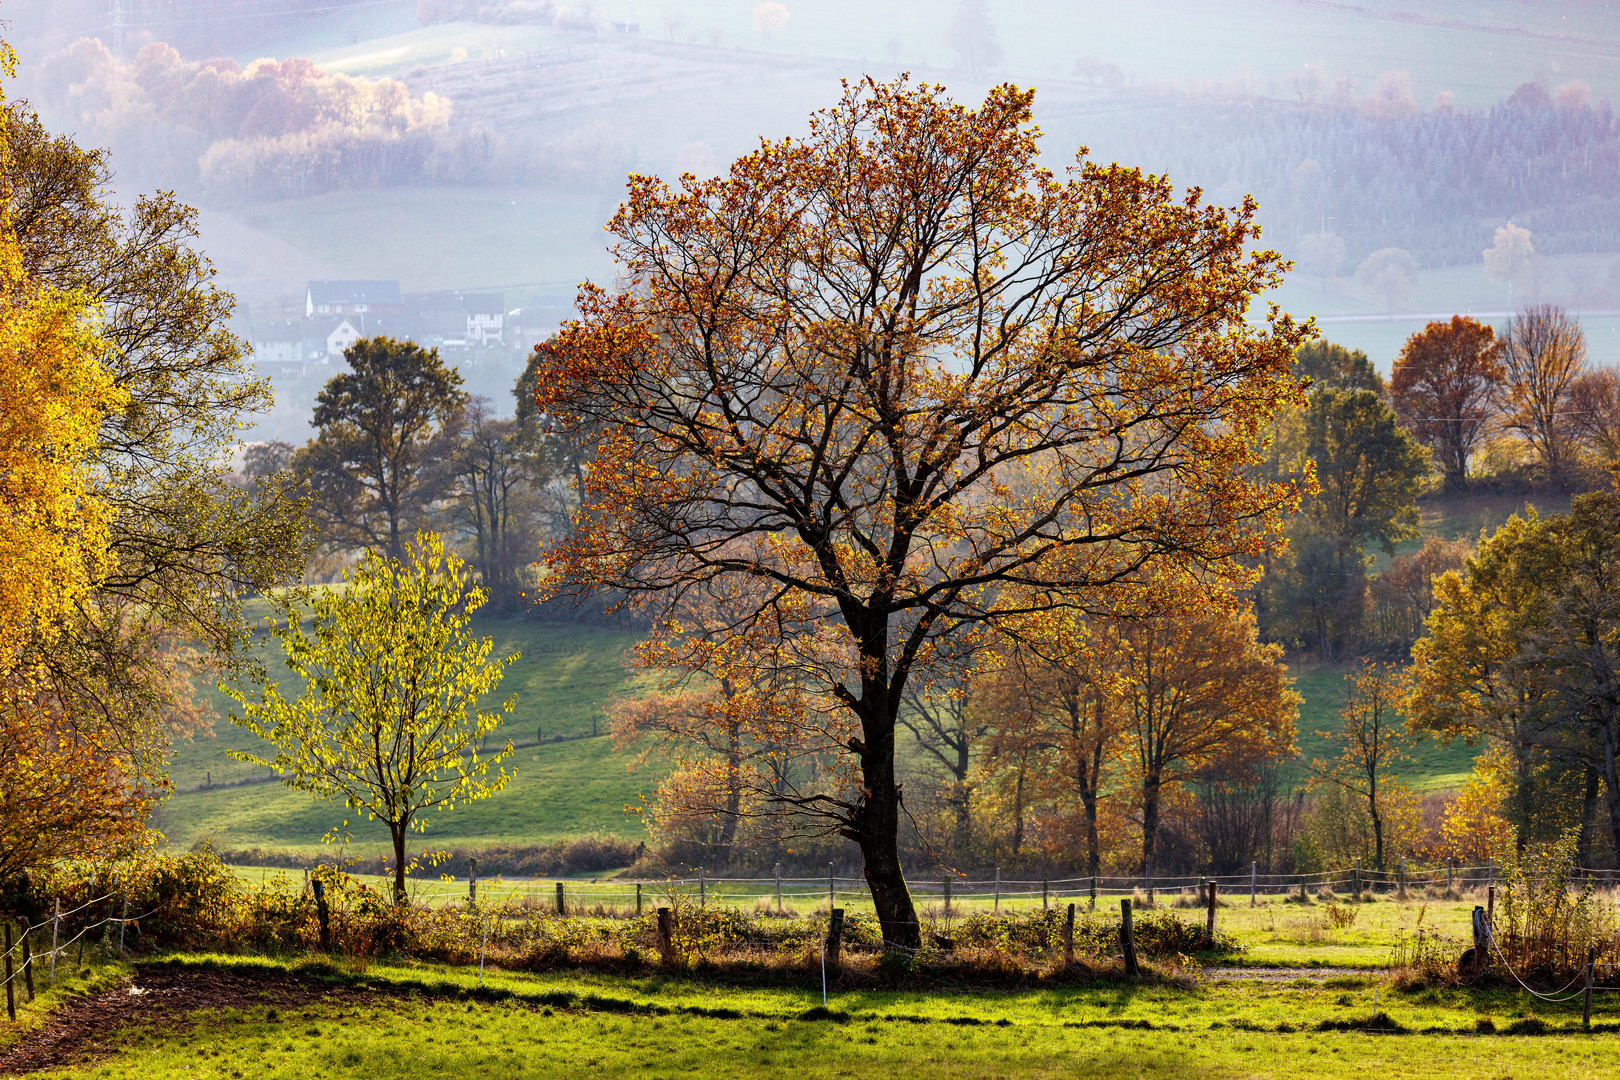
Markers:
{"x": 1474, "y": 827}
{"x": 896, "y": 371}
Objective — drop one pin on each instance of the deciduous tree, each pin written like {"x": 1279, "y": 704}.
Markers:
{"x": 1509, "y": 254}
{"x": 1544, "y": 354}
{"x": 1056, "y": 694}
{"x": 1391, "y": 273}
{"x": 972, "y": 36}
{"x": 496, "y": 479}
{"x": 65, "y": 791}
{"x": 1371, "y": 740}
{"x": 891, "y": 367}
{"x": 380, "y": 427}
{"x": 388, "y": 720}
{"x": 186, "y": 542}
{"x": 1196, "y": 686}
{"x": 1594, "y": 406}
{"x": 1443, "y": 386}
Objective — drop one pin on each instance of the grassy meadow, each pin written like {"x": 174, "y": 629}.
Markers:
{"x": 414, "y": 1020}
{"x": 580, "y": 784}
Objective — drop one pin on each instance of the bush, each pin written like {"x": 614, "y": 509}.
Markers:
{"x": 1159, "y": 933}
{"x": 1543, "y": 929}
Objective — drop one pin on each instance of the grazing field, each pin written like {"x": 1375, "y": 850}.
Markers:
{"x": 279, "y": 1019}
{"x": 569, "y": 787}
{"x": 578, "y": 784}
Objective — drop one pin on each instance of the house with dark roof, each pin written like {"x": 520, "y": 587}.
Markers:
{"x": 352, "y": 298}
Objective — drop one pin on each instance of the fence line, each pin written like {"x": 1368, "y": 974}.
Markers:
{"x": 954, "y": 890}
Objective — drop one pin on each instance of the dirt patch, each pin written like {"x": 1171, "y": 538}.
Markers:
{"x": 159, "y": 998}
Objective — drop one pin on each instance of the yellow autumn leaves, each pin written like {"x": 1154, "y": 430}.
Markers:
{"x": 53, "y": 397}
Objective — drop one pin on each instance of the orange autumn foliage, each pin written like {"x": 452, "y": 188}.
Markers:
{"x": 895, "y": 368}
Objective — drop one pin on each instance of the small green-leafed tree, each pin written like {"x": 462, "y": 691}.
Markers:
{"x": 389, "y": 719}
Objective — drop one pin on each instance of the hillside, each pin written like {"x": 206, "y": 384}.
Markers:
{"x": 562, "y": 788}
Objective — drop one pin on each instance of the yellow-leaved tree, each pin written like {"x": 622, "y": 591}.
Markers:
{"x": 60, "y": 794}
{"x": 388, "y": 721}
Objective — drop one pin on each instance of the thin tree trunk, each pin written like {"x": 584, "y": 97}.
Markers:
{"x": 1150, "y": 820}
{"x": 728, "y": 824}
{"x": 1611, "y": 784}
{"x": 1018, "y": 810}
{"x": 398, "y": 831}
{"x": 1583, "y": 849}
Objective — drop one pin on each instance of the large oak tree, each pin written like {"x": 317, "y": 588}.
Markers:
{"x": 895, "y": 366}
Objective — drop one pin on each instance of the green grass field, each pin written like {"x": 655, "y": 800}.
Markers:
{"x": 564, "y": 678}
{"x": 571, "y": 787}
{"x": 426, "y": 1020}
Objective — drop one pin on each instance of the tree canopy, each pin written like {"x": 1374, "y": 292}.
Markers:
{"x": 381, "y": 426}
{"x": 1443, "y": 386}
{"x": 388, "y": 721}
{"x": 896, "y": 366}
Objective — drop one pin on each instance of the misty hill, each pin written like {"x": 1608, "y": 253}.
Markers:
{"x": 480, "y": 146}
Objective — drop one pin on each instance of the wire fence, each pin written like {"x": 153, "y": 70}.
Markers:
{"x": 620, "y": 897}
{"x": 19, "y": 957}
{"x": 955, "y": 892}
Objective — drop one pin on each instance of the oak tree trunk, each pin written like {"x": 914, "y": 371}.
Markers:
{"x": 875, "y": 826}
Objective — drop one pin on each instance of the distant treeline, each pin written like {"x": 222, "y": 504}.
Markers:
{"x": 1365, "y": 174}
{"x": 1436, "y": 183}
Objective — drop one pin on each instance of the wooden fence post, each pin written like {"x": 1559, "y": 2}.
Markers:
{"x": 835, "y": 935}
{"x": 27, "y": 956}
{"x": 947, "y": 884}
{"x": 1586, "y": 1001}
{"x": 11, "y": 988}
{"x": 1209, "y": 928}
{"x": 1355, "y": 881}
{"x": 1044, "y": 904}
{"x": 831, "y": 887}
{"x": 562, "y": 908}
{"x": 123, "y": 921}
{"x": 1147, "y": 879}
{"x": 1302, "y": 888}
{"x": 1093, "y": 892}
{"x": 56, "y": 925}
{"x": 322, "y": 913}
{"x": 998, "y": 889}
{"x": 666, "y": 936}
{"x": 1254, "y": 870}
{"x": 1401, "y": 887}
{"x": 1127, "y": 936}
{"x": 1448, "y": 872}
{"x": 472, "y": 884}
{"x": 703, "y": 887}
{"x": 1490, "y": 911}
{"x": 1068, "y": 937}
{"x": 638, "y": 899}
